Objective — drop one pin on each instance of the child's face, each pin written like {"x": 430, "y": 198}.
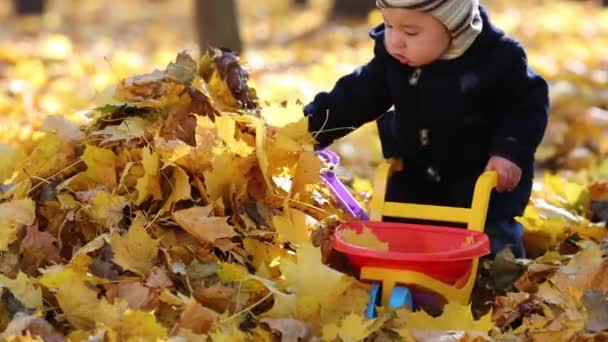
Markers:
{"x": 414, "y": 38}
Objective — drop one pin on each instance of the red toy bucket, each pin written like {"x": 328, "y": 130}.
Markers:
{"x": 443, "y": 253}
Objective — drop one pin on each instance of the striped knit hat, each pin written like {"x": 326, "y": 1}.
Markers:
{"x": 461, "y": 17}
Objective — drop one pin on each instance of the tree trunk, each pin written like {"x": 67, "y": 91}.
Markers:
{"x": 29, "y": 7}
{"x": 217, "y": 25}
{"x": 352, "y": 8}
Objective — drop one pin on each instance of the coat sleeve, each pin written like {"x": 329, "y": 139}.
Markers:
{"x": 523, "y": 106}
{"x": 355, "y": 99}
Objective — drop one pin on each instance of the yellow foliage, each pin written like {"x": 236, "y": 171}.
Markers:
{"x": 50, "y": 156}
{"x": 228, "y": 171}
{"x": 84, "y": 309}
{"x": 11, "y": 158}
{"x": 352, "y": 328}
{"x": 292, "y": 226}
{"x": 366, "y": 239}
{"x": 135, "y": 251}
{"x": 454, "y": 317}
{"x": 14, "y": 215}
{"x": 226, "y": 129}
{"x": 149, "y": 184}
{"x": 101, "y": 170}
{"x": 23, "y": 289}
{"x": 140, "y": 326}
{"x": 77, "y": 270}
{"x": 181, "y": 189}
{"x": 206, "y": 229}
{"x": 106, "y": 209}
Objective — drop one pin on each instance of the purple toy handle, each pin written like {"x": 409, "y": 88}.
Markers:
{"x": 343, "y": 196}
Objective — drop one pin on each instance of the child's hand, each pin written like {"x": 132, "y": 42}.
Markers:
{"x": 509, "y": 174}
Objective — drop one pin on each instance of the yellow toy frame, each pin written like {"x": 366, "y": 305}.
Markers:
{"x": 474, "y": 217}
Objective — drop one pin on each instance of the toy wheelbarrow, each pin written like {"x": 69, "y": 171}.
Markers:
{"x": 430, "y": 259}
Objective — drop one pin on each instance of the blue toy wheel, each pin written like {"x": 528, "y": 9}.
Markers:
{"x": 400, "y": 297}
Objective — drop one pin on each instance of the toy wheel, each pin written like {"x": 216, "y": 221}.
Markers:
{"x": 400, "y": 297}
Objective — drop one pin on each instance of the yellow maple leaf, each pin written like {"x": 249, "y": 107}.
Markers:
{"x": 11, "y": 158}
{"x": 77, "y": 270}
{"x": 101, "y": 169}
{"x": 279, "y": 116}
{"x": 206, "y": 229}
{"x": 366, "y": 239}
{"x": 223, "y": 99}
{"x": 454, "y": 317}
{"x": 84, "y": 309}
{"x": 149, "y": 184}
{"x": 307, "y": 173}
{"x": 292, "y": 226}
{"x": 316, "y": 302}
{"x": 352, "y": 328}
{"x": 577, "y": 275}
{"x": 14, "y": 215}
{"x": 265, "y": 257}
{"x": 141, "y": 326}
{"x": 561, "y": 192}
{"x": 181, "y": 189}
{"x": 136, "y": 250}
{"x": 67, "y": 201}
{"x": 303, "y": 276}
{"x": 226, "y": 128}
{"x": 23, "y": 289}
{"x": 260, "y": 152}
{"x": 106, "y": 209}
{"x": 233, "y": 273}
{"x": 295, "y": 136}
{"x": 228, "y": 335}
{"x": 130, "y": 128}
{"x": 228, "y": 170}
{"x": 348, "y": 296}
{"x": 50, "y": 155}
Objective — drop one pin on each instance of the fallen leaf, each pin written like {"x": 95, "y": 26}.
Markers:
{"x": 84, "y": 309}
{"x": 158, "y": 278}
{"x": 291, "y": 330}
{"x": 307, "y": 173}
{"x": 149, "y": 184}
{"x": 130, "y": 128}
{"x": 206, "y": 229}
{"x": 38, "y": 247}
{"x": 106, "y": 209}
{"x": 197, "y": 318}
{"x": 596, "y": 305}
{"x": 352, "y": 328}
{"x": 217, "y": 297}
{"x": 135, "y": 251}
{"x": 454, "y": 317}
{"x": 14, "y": 215}
{"x": 366, "y": 238}
{"x": 181, "y": 189}
{"x": 141, "y": 326}
{"x": 292, "y": 226}
{"x": 24, "y": 290}
{"x": 226, "y": 130}
{"x": 134, "y": 293}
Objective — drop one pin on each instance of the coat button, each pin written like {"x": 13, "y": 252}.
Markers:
{"x": 433, "y": 174}
{"x": 424, "y": 137}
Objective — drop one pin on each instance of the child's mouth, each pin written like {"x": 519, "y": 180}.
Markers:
{"x": 402, "y": 59}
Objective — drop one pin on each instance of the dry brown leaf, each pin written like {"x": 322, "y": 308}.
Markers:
{"x": 197, "y": 318}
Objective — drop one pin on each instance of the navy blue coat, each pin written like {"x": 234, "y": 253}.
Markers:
{"x": 449, "y": 117}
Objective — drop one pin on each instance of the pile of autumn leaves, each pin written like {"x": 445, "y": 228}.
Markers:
{"x": 174, "y": 212}
{"x": 178, "y": 214}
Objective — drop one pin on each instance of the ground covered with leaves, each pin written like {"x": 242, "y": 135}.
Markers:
{"x": 187, "y": 205}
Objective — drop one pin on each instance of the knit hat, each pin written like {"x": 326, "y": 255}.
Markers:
{"x": 461, "y": 17}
